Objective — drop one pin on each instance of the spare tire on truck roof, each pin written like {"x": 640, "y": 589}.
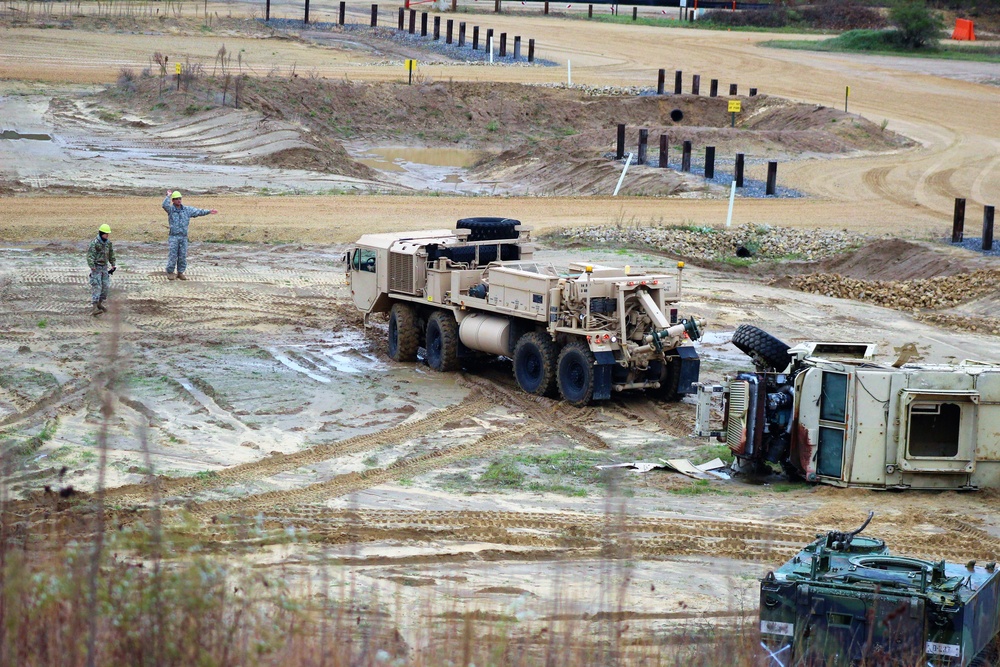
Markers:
{"x": 489, "y": 229}
{"x": 763, "y": 346}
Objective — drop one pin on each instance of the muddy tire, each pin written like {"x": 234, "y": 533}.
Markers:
{"x": 442, "y": 341}
{"x": 575, "y": 373}
{"x": 535, "y": 357}
{"x": 404, "y": 334}
{"x": 763, "y": 346}
{"x": 489, "y": 229}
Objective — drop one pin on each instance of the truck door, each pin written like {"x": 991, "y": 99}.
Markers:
{"x": 364, "y": 278}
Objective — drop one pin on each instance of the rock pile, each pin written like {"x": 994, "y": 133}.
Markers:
{"x": 929, "y": 293}
{"x": 720, "y": 244}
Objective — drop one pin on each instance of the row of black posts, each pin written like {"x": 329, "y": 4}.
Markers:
{"x": 713, "y": 85}
{"x": 958, "y": 224}
{"x": 772, "y": 167}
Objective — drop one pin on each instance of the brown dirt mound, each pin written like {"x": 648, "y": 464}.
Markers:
{"x": 896, "y": 259}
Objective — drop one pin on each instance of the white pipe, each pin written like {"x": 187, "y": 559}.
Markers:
{"x": 621, "y": 178}
{"x": 569, "y": 73}
{"x": 490, "y": 47}
{"x": 732, "y": 196}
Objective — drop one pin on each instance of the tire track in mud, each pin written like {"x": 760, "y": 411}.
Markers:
{"x": 58, "y": 396}
{"x": 357, "y": 481}
{"x": 272, "y": 465}
{"x": 877, "y": 180}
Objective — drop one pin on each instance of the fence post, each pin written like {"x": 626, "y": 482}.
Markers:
{"x": 461, "y": 33}
{"x": 663, "y": 151}
{"x": 413, "y": 21}
{"x": 546, "y": 10}
{"x": 590, "y": 11}
{"x": 306, "y": 19}
{"x": 696, "y": 84}
{"x": 496, "y": 7}
{"x": 772, "y": 178}
{"x": 710, "y": 162}
{"x": 475, "y": 38}
{"x": 713, "y": 88}
{"x": 531, "y": 50}
{"x": 988, "y": 228}
{"x": 402, "y": 19}
{"x": 343, "y": 10}
{"x": 753, "y": 92}
{"x": 678, "y": 83}
{"x": 732, "y": 89}
{"x": 423, "y": 24}
{"x": 739, "y": 170}
{"x": 661, "y": 78}
{"x": 958, "y": 221}
{"x": 517, "y": 47}
{"x": 686, "y": 156}
{"x": 643, "y": 141}
{"x": 635, "y": 15}
{"x": 449, "y": 29}
{"x": 620, "y": 152}
{"x": 267, "y": 11}
{"x": 437, "y": 28}
{"x": 374, "y": 16}
{"x": 489, "y": 42}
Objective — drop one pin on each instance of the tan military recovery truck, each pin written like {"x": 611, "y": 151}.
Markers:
{"x": 827, "y": 413}
{"x": 478, "y": 290}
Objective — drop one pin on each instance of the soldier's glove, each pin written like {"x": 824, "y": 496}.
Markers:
{"x": 112, "y": 270}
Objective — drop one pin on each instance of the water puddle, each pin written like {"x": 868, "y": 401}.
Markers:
{"x": 395, "y": 158}
{"x": 14, "y": 136}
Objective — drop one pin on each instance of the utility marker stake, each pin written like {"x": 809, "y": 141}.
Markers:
{"x": 621, "y": 178}
{"x": 569, "y": 75}
{"x": 732, "y": 198}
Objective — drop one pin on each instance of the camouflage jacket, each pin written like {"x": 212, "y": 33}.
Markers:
{"x": 100, "y": 253}
{"x": 180, "y": 216}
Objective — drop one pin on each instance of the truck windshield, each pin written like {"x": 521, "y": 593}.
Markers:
{"x": 363, "y": 260}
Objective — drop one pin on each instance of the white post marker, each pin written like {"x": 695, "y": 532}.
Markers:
{"x": 732, "y": 196}
{"x": 490, "y": 47}
{"x": 569, "y": 73}
{"x": 621, "y": 178}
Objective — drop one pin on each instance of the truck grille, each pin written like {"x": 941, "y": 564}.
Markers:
{"x": 736, "y": 429}
{"x": 400, "y": 272}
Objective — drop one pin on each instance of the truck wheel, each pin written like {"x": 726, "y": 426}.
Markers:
{"x": 489, "y": 229}
{"x": 535, "y": 363}
{"x": 404, "y": 335}
{"x": 442, "y": 341}
{"x": 576, "y": 373}
{"x": 762, "y": 345}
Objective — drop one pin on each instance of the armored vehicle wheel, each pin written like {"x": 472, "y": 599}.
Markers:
{"x": 489, "y": 229}
{"x": 535, "y": 363}
{"x": 762, "y": 346}
{"x": 442, "y": 341}
{"x": 404, "y": 335}
{"x": 576, "y": 373}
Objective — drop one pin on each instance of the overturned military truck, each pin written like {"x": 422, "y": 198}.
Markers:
{"x": 844, "y": 600}
{"x": 581, "y": 334}
{"x": 828, "y": 414}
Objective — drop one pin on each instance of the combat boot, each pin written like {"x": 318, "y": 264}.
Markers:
{"x": 170, "y": 276}
{"x": 96, "y": 310}
{"x": 181, "y": 276}
{"x": 101, "y": 306}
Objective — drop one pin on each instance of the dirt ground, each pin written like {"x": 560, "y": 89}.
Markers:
{"x": 260, "y": 393}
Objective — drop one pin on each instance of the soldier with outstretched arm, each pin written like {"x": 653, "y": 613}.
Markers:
{"x": 179, "y": 216}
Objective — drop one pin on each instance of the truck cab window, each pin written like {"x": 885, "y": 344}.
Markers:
{"x": 833, "y": 400}
{"x": 363, "y": 260}
{"x": 934, "y": 429}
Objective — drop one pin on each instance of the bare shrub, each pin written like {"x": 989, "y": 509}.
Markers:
{"x": 126, "y": 80}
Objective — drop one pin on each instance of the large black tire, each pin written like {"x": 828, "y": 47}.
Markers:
{"x": 575, "y": 373}
{"x": 535, "y": 357}
{"x": 442, "y": 341}
{"x": 404, "y": 334}
{"x": 757, "y": 342}
{"x": 489, "y": 229}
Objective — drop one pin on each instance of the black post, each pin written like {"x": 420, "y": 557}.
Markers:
{"x": 517, "y": 47}
{"x": 732, "y": 89}
{"x": 461, "y": 33}
{"x": 340, "y": 15}
{"x": 496, "y": 6}
{"x": 663, "y": 151}
{"x": 713, "y": 88}
{"x": 402, "y": 19}
{"x": 958, "y": 221}
{"x": 988, "y": 228}
{"x": 678, "y": 83}
{"x": 489, "y": 39}
{"x": 635, "y": 13}
{"x": 503, "y": 45}
{"x": 686, "y": 157}
{"x": 449, "y": 27}
{"x": 661, "y": 78}
{"x": 546, "y": 7}
{"x": 643, "y": 140}
{"x": 413, "y": 21}
{"x": 753, "y": 92}
{"x": 772, "y": 178}
{"x": 710, "y": 162}
{"x": 423, "y": 24}
{"x": 739, "y": 170}
{"x": 696, "y": 84}
{"x": 475, "y": 38}
{"x": 620, "y": 152}
{"x": 531, "y": 50}
{"x": 374, "y": 15}
{"x": 437, "y": 28}
{"x": 267, "y": 11}
{"x": 590, "y": 11}
{"x": 306, "y": 19}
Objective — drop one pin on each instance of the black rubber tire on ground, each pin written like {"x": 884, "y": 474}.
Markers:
{"x": 770, "y": 350}
{"x": 535, "y": 357}
{"x": 668, "y": 383}
{"x": 442, "y": 341}
{"x": 404, "y": 334}
{"x": 489, "y": 229}
{"x": 575, "y": 373}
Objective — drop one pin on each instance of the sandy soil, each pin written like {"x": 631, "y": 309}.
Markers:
{"x": 245, "y": 380}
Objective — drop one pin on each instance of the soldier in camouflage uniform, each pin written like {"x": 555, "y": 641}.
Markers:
{"x": 179, "y": 217}
{"x": 101, "y": 260}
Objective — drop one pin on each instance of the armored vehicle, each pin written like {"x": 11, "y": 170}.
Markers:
{"x": 829, "y": 414}
{"x": 477, "y": 289}
{"x": 844, "y": 600}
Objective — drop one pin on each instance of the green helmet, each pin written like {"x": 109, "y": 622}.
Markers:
{"x": 104, "y": 229}
{"x": 176, "y": 194}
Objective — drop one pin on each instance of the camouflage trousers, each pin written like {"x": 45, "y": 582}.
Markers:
{"x": 100, "y": 283}
{"x": 177, "y": 253}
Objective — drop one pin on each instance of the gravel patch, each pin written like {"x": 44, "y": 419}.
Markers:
{"x": 976, "y": 245}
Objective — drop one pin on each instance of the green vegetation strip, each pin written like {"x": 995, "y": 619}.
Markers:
{"x": 881, "y": 42}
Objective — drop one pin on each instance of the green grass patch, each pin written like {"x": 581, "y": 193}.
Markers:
{"x": 709, "y": 452}
{"x": 503, "y": 474}
{"x": 884, "y": 42}
{"x": 697, "y": 488}
{"x": 785, "y": 487}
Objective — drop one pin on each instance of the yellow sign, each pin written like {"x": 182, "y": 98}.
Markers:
{"x": 735, "y": 106}
{"x": 177, "y": 69}
{"x": 411, "y": 65}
